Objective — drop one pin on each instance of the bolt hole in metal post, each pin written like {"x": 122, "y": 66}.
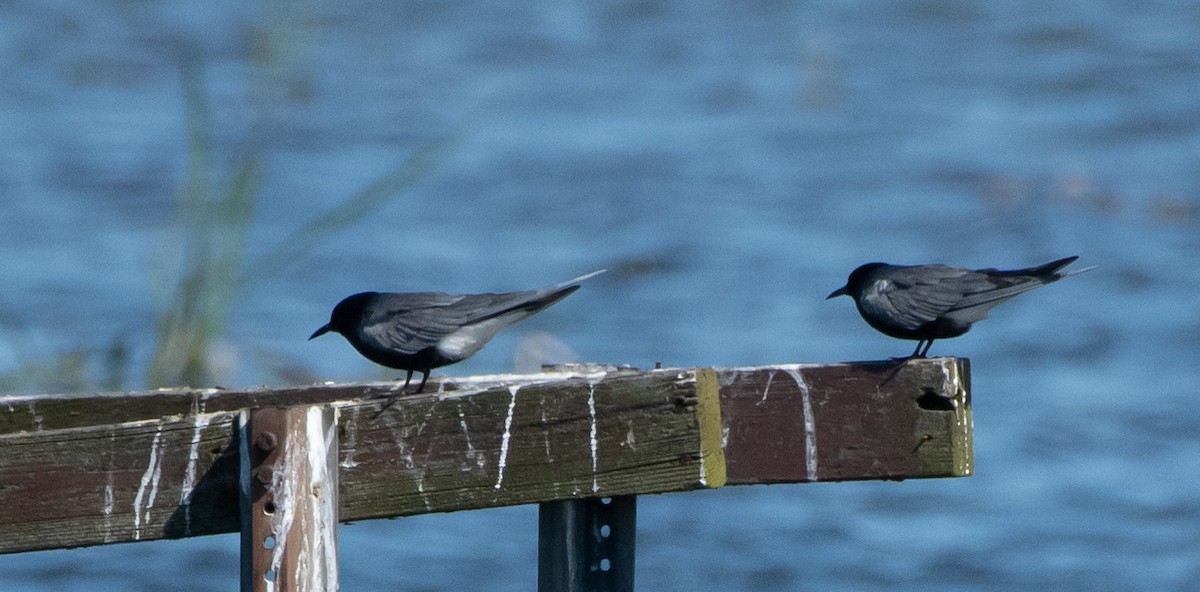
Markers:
{"x": 266, "y": 441}
{"x": 933, "y": 401}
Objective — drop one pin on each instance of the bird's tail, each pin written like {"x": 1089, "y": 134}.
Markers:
{"x": 1052, "y": 271}
{"x": 553, "y": 293}
{"x": 533, "y": 301}
{"x": 574, "y": 282}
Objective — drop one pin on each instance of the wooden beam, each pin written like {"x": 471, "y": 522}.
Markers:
{"x": 91, "y": 469}
{"x": 164, "y": 464}
{"x": 840, "y": 422}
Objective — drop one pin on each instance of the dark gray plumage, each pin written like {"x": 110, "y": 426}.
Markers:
{"x": 420, "y": 331}
{"x": 928, "y": 302}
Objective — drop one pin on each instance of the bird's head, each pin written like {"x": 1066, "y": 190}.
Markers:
{"x": 858, "y": 280}
{"x": 346, "y": 315}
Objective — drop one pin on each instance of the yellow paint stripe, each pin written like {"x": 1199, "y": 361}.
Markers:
{"x": 708, "y": 416}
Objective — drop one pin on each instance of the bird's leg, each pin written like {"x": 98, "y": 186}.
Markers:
{"x": 424, "y": 377}
{"x": 917, "y": 352}
{"x": 392, "y": 398}
{"x": 928, "y": 345}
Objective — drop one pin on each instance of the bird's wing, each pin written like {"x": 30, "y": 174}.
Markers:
{"x": 991, "y": 290}
{"x": 912, "y": 296}
{"x": 410, "y": 322}
{"x": 996, "y": 286}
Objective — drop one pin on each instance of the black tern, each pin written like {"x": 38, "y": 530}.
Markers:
{"x": 420, "y": 331}
{"x": 928, "y": 302}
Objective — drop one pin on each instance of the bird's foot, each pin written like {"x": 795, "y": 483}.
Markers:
{"x": 391, "y": 398}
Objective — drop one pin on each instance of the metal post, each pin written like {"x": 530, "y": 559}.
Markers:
{"x": 289, "y": 491}
{"x": 587, "y": 545}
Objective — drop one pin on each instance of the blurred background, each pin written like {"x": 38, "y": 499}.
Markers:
{"x": 190, "y": 187}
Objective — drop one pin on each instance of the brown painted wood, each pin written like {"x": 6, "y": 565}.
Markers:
{"x": 289, "y": 507}
{"x": 881, "y": 420}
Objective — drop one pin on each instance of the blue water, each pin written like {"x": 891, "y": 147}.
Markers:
{"x": 729, "y": 163}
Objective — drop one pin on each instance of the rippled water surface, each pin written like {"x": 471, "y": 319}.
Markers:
{"x": 729, "y": 163}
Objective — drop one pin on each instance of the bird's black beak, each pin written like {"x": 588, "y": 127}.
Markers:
{"x": 838, "y": 292}
{"x": 319, "y": 332}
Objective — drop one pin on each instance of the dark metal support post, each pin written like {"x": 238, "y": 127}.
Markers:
{"x": 587, "y": 545}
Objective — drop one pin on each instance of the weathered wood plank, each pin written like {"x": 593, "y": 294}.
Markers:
{"x": 165, "y": 464}
{"x": 90, "y": 469}
{"x": 839, "y": 422}
{"x": 592, "y": 436}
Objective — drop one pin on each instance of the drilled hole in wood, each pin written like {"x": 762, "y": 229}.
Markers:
{"x": 605, "y": 565}
{"x": 269, "y": 542}
{"x": 605, "y": 530}
{"x": 269, "y": 508}
{"x": 605, "y": 501}
{"x": 933, "y": 401}
{"x": 270, "y": 575}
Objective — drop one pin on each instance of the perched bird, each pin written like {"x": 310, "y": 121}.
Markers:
{"x": 420, "y": 331}
{"x": 928, "y": 302}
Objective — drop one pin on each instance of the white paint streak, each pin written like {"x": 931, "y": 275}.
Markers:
{"x": 421, "y": 490}
{"x": 767, "y": 389}
{"x": 149, "y": 480}
{"x": 470, "y": 385}
{"x": 405, "y": 451}
{"x": 950, "y": 371}
{"x": 108, "y": 507}
{"x": 592, "y": 416}
{"x": 471, "y": 453}
{"x": 810, "y": 426}
{"x": 322, "y": 448}
{"x": 462, "y": 422}
{"x": 285, "y": 502}
{"x": 546, "y": 433}
{"x": 351, "y": 442}
{"x": 189, "y": 475}
{"x": 593, "y": 380}
{"x": 37, "y": 419}
{"x": 108, "y": 496}
{"x": 784, "y": 367}
{"x": 512, "y": 405}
